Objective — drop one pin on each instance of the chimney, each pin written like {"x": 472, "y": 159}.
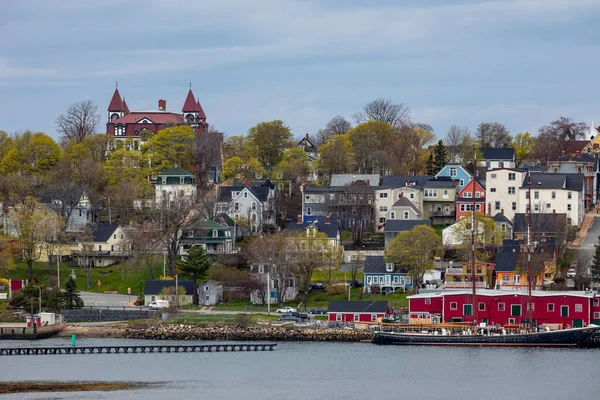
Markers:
{"x": 553, "y": 211}
{"x": 570, "y": 156}
{"x": 401, "y": 195}
{"x": 368, "y": 182}
{"x": 162, "y": 105}
{"x": 578, "y": 153}
{"x": 306, "y": 135}
{"x": 502, "y": 211}
{"x": 327, "y": 220}
{"x": 299, "y": 219}
{"x": 247, "y": 182}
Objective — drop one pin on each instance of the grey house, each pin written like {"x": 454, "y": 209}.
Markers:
{"x": 394, "y": 226}
{"x": 210, "y": 293}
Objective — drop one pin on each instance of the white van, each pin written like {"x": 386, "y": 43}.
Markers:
{"x": 158, "y": 304}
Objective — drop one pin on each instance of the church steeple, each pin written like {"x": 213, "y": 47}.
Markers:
{"x": 117, "y": 107}
{"x": 192, "y": 110}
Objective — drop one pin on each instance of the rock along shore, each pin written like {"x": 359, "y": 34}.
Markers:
{"x": 246, "y": 333}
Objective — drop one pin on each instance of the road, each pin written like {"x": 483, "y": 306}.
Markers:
{"x": 592, "y": 236}
{"x": 104, "y": 300}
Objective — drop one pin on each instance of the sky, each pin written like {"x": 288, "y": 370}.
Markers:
{"x": 522, "y": 63}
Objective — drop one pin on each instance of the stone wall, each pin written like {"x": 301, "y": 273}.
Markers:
{"x": 93, "y": 314}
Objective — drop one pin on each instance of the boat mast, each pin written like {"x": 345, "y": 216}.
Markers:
{"x": 529, "y": 250}
{"x": 473, "y": 276}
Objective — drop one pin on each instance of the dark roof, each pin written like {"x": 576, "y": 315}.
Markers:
{"x": 154, "y": 287}
{"x": 379, "y": 307}
{"x": 440, "y": 183}
{"x": 260, "y": 192}
{"x": 498, "y": 153}
{"x": 191, "y": 105}
{"x": 404, "y": 202}
{"x": 330, "y": 229}
{"x": 307, "y": 142}
{"x": 506, "y": 261}
{"x": 401, "y": 225}
{"x": 224, "y": 219}
{"x": 103, "y": 232}
{"x": 581, "y": 158}
{"x": 176, "y": 171}
{"x": 398, "y": 181}
{"x": 554, "y": 181}
{"x": 499, "y": 217}
{"x": 375, "y": 265}
{"x": 542, "y": 223}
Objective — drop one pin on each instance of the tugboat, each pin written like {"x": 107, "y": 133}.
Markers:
{"x": 452, "y": 335}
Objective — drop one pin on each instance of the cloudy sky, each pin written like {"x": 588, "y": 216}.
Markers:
{"x": 522, "y": 63}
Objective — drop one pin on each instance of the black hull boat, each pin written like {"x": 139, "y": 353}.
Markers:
{"x": 561, "y": 338}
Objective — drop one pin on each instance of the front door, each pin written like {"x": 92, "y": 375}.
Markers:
{"x": 577, "y": 323}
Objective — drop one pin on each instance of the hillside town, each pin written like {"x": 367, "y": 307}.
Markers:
{"x": 380, "y": 211}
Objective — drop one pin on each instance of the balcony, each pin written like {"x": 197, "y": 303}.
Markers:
{"x": 465, "y": 285}
{"x": 444, "y": 213}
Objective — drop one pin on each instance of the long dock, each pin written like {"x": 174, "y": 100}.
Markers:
{"x": 206, "y": 348}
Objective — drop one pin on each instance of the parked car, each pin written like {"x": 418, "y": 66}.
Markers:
{"x": 293, "y": 317}
{"x": 317, "y": 286}
{"x": 159, "y": 304}
{"x": 355, "y": 284}
{"x": 286, "y": 310}
{"x": 571, "y": 273}
{"x": 317, "y": 311}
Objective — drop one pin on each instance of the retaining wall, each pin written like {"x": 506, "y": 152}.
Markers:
{"x": 80, "y": 315}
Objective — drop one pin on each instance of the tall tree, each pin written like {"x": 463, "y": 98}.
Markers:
{"x": 493, "y": 134}
{"x": 370, "y": 141}
{"x": 414, "y": 250}
{"x": 237, "y": 146}
{"x": 430, "y": 166}
{"x": 196, "y": 263}
{"x": 440, "y": 156}
{"x": 33, "y": 153}
{"x": 454, "y": 141}
{"x": 173, "y": 146}
{"x": 338, "y": 125}
{"x": 270, "y": 139}
{"x": 553, "y": 139}
{"x": 336, "y": 156}
{"x": 524, "y": 146}
{"x": 293, "y": 166}
{"x": 78, "y": 122}
{"x": 383, "y": 110}
{"x": 207, "y": 154}
{"x": 71, "y": 297}
{"x": 406, "y": 153}
{"x": 595, "y": 267}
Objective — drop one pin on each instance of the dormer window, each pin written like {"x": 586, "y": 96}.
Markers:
{"x": 215, "y": 233}
{"x": 245, "y": 195}
{"x": 452, "y": 171}
{"x": 389, "y": 267}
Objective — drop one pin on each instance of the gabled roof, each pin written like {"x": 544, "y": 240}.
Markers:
{"x": 208, "y": 224}
{"x": 201, "y": 113}
{"x": 404, "y": 202}
{"x": 554, "y": 181}
{"x": 125, "y": 108}
{"x": 348, "y": 179}
{"x": 103, "y": 232}
{"x": 398, "y": 181}
{"x": 578, "y": 158}
{"x": 260, "y": 192}
{"x": 190, "y": 104}
{"x": 477, "y": 184}
{"x": 157, "y": 117}
{"x": 401, "y": 225}
{"x": 378, "y": 307}
{"x": 499, "y": 218}
{"x": 376, "y": 265}
{"x": 498, "y": 153}
{"x": 175, "y": 171}
{"x": 154, "y": 287}
{"x": 573, "y": 146}
{"x": 225, "y": 220}
{"x": 330, "y": 229}
{"x": 448, "y": 166}
{"x": 541, "y": 223}
{"x": 116, "y": 104}
{"x": 305, "y": 141}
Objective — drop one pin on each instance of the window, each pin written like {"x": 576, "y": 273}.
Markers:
{"x": 536, "y": 195}
{"x": 467, "y": 309}
{"x": 112, "y": 247}
{"x": 462, "y": 182}
{"x": 468, "y": 195}
{"x": 381, "y": 220}
{"x": 511, "y": 190}
{"x": 115, "y": 236}
{"x": 511, "y": 321}
{"x": 536, "y": 207}
{"x": 517, "y": 279}
{"x": 383, "y": 195}
{"x": 445, "y": 192}
{"x": 514, "y": 206}
{"x": 477, "y": 195}
{"x": 493, "y": 190}
{"x": 430, "y": 193}
{"x": 254, "y": 205}
{"x": 338, "y": 317}
{"x": 383, "y": 209}
{"x": 512, "y": 176}
{"x": 245, "y": 194}
{"x": 497, "y": 205}
{"x": 501, "y": 307}
{"x": 393, "y": 215}
{"x": 452, "y": 171}
{"x": 368, "y": 280}
{"x": 236, "y": 206}
{"x": 356, "y": 317}
{"x": 412, "y": 195}
{"x": 550, "y": 307}
{"x": 215, "y": 233}
{"x": 515, "y": 310}
{"x": 548, "y": 205}
{"x": 428, "y": 300}
{"x": 569, "y": 195}
{"x": 389, "y": 267}
{"x": 568, "y": 207}
{"x": 453, "y": 306}
{"x": 564, "y": 311}
{"x": 493, "y": 176}
{"x": 578, "y": 307}
{"x": 596, "y": 302}
{"x": 308, "y": 210}
{"x": 405, "y": 214}
{"x": 553, "y": 195}
{"x": 481, "y": 306}
{"x": 596, "y": 315}
{"x": 373, "y": 318}
{"x": 506, "y": 278}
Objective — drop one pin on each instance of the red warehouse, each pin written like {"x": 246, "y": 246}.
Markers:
{"x": 357, "y": 311}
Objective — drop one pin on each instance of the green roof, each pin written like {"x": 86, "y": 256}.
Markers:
{"x": 210, "y": 224}
{"x": 175, "y": 171}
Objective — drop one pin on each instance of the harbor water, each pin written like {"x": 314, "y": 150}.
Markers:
{"x": 318, "y": 371}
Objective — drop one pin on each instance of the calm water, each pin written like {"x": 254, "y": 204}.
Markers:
{"x": 321, "y": 371}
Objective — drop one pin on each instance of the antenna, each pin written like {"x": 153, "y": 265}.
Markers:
{"x": 116, "y": 84}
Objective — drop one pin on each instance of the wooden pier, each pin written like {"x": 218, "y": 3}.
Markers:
{"x": 206, "y": 348}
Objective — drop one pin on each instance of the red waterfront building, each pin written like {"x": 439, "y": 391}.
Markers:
{"x": 464, "y": 200}
{"x": 499, "y": 307}
{"x": 357, "y": 311}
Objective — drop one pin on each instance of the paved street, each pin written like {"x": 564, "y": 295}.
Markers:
{"x": 592, "y": 236}
{"x": 104, "y": 300}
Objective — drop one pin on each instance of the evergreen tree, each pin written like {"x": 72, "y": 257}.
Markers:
{"x": 596, "y": 262}
{"x": 440, "y": 155}
{"x": 429, "y": 166}
{"x": 71, "y": 296}
{"x": 196, "y": 263}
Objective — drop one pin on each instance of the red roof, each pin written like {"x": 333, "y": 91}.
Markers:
{"x": 158, "y": 117}
{"x": 116, "y": 104}
{"x": 125, "y": 107}
{"x": 190, "y": 104}
{"x": 201, "y": 114}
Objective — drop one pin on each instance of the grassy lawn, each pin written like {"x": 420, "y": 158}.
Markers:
{"x": 336, "y": 276}
{"x": 207, "y": 319}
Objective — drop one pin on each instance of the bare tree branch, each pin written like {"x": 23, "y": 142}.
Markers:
{"x": 79, "y": 122}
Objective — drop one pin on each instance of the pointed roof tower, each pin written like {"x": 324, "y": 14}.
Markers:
{"x": 190, "y": 104}
{"x": 125, "y": 108}
{"x": 116, "y": 104}
{"x": 201, "y": 114}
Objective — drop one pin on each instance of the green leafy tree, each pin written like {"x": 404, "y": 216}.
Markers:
{"x": 524, "y": 147}
{"x": 270, "y": 139}
{"x": 32, "y": 153}
{"x": 336, "y": 155}
{"x": 294, "y": 164}
{"x": 232, "y": 167}
{"x": 370, "y": 141}
{"x": 196, "y": 263}
{"x": 440, "y": 156}
{"x": 414, "y": 250}
{"x": 595, "y": 267}
{"x": 171, "y": 147}
{"x": 71, "y": 297}
{"x": 430, "y": 165}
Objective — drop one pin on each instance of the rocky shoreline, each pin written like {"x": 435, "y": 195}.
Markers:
{"x": 221, "y": 333}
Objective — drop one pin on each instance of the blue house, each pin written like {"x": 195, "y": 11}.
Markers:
{"x": 382, "y": 277}
{"x": 457, "y": 173}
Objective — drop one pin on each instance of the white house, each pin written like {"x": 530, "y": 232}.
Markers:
{"x": 256, "y": 204}
{"x": 498, "y": 157}
{"x": 107, "y": 245}
{"x": 403, "y": 208}
{"x": 502, "y": 191}
{"x": 394, "y": 188}
{"x": 175, "y": 183}
{"x": 210, "y": 293}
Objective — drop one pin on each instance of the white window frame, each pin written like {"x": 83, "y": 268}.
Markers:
{"x": 596, "y": 315}
{"x": 356, "y": 317}
{"x": 373, "y": 317}
{"x": 406, "y": 215}
{"x": 453, "y": 306}
{"x": 548, "y": 307}
{"x": 503, "y": 307}
{"x": 338, "y": 317}
{"x": 578, "y": 307}
{"x": 428, "y": 300}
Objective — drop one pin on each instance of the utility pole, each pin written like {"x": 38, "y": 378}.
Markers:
{"x": 58, "y": 267}
{"x": 164, "y": 264}
{"x": 268, "y": 292}
{"x": 109, "y": 214}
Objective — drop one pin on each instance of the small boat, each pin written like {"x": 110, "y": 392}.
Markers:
{"x": 489, "y": 337}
